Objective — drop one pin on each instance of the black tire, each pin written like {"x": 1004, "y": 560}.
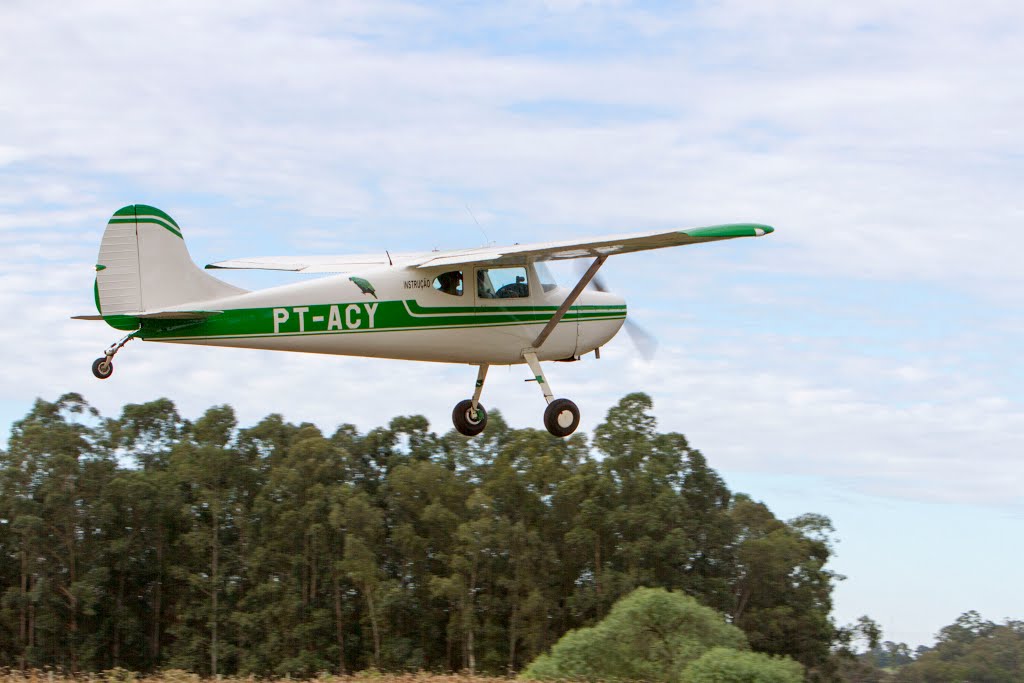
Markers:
{"x": 103, "y": 367}
{"x": 463, "y": 420}
{"x": 561, "y": 417}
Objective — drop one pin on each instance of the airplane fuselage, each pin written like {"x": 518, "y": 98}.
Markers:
{"x": 406, "y": 313}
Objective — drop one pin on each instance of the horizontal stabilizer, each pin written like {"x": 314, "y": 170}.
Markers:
{"x": 158, "y": 315}
{"x": 308, "y": 264}
{"x": 177, "y": 315}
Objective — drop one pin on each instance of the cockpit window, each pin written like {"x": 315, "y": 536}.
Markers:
{"x": 547, "y": 280}
{"x": 449, "y": 283}
{"x": 502, "y": 283}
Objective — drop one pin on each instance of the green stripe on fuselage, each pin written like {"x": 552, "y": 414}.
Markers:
{"x": 362, "y": 316}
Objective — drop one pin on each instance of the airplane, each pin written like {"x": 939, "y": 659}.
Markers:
{"x": 480, "y": 306}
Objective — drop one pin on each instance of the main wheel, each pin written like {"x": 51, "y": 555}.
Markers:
{"x": 103, "y": 367}
{"x": 465, "y": 422}
{"x": 561, "y": 417}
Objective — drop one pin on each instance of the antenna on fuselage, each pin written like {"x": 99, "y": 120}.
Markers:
{"x": 487, "y": 240}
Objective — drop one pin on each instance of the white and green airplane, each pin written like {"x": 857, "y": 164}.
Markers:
{"x": 482, "y": 306}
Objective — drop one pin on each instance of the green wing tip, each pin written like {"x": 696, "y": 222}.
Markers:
{"x": 730, "y": 230}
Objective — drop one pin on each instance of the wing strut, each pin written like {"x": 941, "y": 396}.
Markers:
{"x": 569, "y": 300}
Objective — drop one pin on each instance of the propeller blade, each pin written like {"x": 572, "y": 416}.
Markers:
{"x": 645, "y": 342}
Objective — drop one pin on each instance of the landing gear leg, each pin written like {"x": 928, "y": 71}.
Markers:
{"x": 469, "y": 416}
{"x": 561, "y": 417}
{"x": 104, "y": 367}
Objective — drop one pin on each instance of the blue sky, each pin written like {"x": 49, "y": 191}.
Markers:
{"x": 862, "y": 362}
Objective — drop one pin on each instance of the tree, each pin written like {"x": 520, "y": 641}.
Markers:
{"x": 293, "y": 572}
{"x": 54, "y": 468}
{"x": 725, "y": 665}
{"x": 362, "y": 524}
{"x": 219, "y": 482}
{"x": 650, "y": 635}
{"x": 782, "y": 589}
{"x": 971, "y": 649}
{"x": 148, "y": 541}
{"x": 891, "y": 655}
{"x": 151, "y": 501}
{"x": 425, "y": 505}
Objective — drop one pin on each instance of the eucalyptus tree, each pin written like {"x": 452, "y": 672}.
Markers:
{"x": 54, "y": 467}
{"x": 782, "y": 591}
{"x": 218, "y": 484}
{"x": 425, "y": 503}
{"x": 287, "y": 613}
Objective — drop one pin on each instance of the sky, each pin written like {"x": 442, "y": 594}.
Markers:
{"x": 861, "y": 362}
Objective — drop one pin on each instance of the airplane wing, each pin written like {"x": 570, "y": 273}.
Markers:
{"x": 517, "y": 253}
{"x": 599, "y": 246}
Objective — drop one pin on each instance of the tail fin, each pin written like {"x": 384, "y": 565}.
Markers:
{"x": 144, "y": 265}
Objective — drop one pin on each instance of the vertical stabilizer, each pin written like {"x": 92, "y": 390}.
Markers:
{"x": 144, "y": 265}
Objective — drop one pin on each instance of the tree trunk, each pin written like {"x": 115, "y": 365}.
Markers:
{"x": 375, "y": 627}
{"x": 154, "y": 643}
{"x": 470, "y": 646}
{"x": 449, "y": 649}
{"x": 741, "y": 602}
{"x": 513, "y": 636}
{"x": 23, "y": 616}
{"x": 214, "y": 578}
{"x": 339, "y": 624}
{"x": 470, "y": 654}
{"x": 118, "y": 612}
{"x": 72, "y": 600}
{"x": 304, "y": 575}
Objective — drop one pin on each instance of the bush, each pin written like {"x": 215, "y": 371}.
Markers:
{"x": 649, "y": 635}
{"x": 723, "y": 665}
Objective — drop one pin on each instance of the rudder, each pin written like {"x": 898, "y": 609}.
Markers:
{"x": 144, "y": 265}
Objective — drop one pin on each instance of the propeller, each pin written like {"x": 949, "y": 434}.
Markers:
{"x": 645, "y": 342}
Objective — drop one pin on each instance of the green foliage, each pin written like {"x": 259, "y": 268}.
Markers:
{"x": 724, "y": 665}
{"x": 649, "y": 635}
{"x": 971, "y": 649}
{"x": 783, "y": 591}
{"x": 147, "y": 542}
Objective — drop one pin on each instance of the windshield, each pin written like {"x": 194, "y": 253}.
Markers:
{"x": 544, "y": 276}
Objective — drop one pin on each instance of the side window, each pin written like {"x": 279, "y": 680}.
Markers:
{"x": 502, "y": 283}
{"x": 449, "y": 283}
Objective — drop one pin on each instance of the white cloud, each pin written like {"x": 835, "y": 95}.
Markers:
{"x": 882, "y": 140}
{"x": 869, "y": 346}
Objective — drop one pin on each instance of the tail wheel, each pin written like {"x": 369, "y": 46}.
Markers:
{"x": 561, "y": 417}
{"x": 103, "y": 367}
{"x": 466, "y": 421}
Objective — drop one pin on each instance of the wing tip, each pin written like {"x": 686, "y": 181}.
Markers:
{"x": 729, "y": 230}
